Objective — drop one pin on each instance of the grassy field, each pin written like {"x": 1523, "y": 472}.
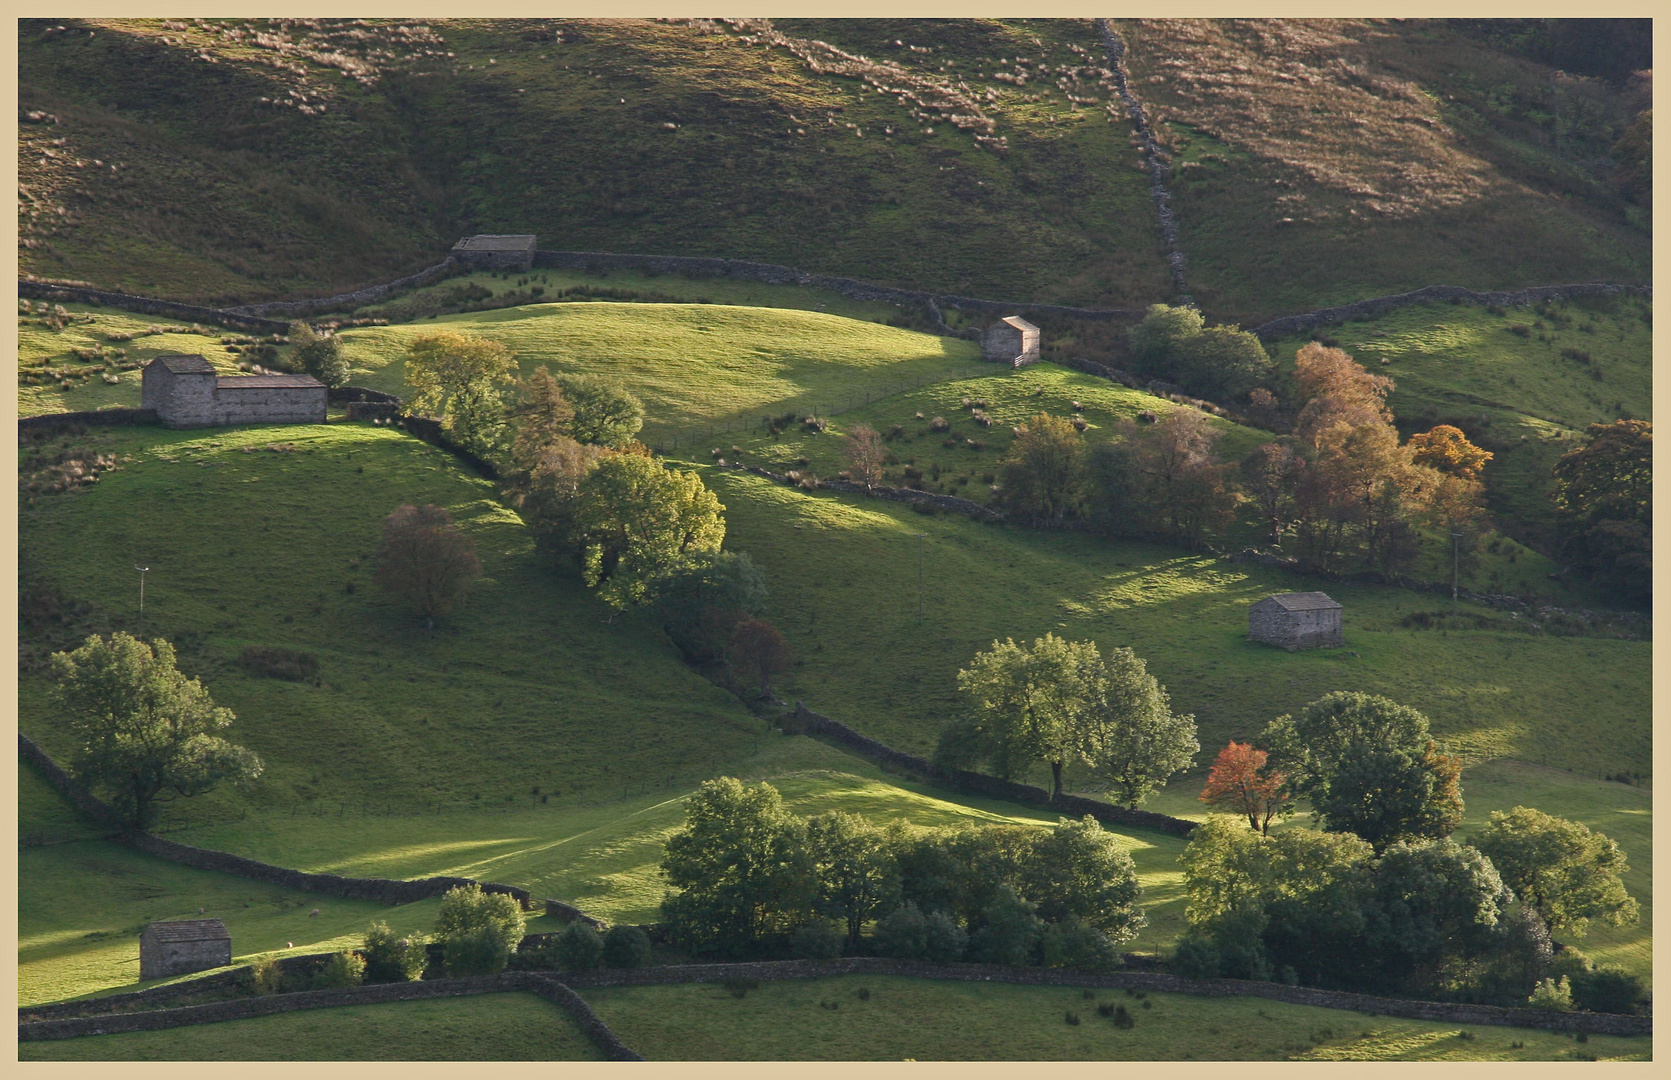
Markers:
{"x": 1524, "y": 384}
{"x": 487, "y": 1027}
{"x": 844, "y": 573}
{"x": 694, "y": 365}
{"x": 883, "y": 1018}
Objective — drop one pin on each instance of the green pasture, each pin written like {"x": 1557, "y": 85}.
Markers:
{"x": 486, "y": 1027}
{"x": 1517, "y": 396}
{"x": 694, "y": 365}
{"x": 893, "y": 1018}
{"x": 40, "y": 347}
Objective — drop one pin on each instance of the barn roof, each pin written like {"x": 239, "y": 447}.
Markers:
{"x": 1018, "y": 322}
{"x": 185, "y": 363}
{"x": 189, "y": 930}
{"x": 263, "y": 382}
{"x": 516, "y": 242}
{"x": 1302, "y": 601}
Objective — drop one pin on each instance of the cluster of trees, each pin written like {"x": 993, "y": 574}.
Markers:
{"x": 319, "y": 355}
{"x": 1380, "y": 896}
{"x": 1341, "y": 493}
{"x": 1064, "y": 702}
{"x": 145, "y": 734}
{"x": 1221, "y": 362}
{"x": 750, "y": 878}
{"x": 1604, "y": 507}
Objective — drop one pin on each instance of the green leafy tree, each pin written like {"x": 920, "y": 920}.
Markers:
{"x": 1127, "y": 731}
{"x": 701, "y": 599}
{"x": 1436, "y": 904}
{"x": 909, "y": 934}
{"x": 741, "y": 869}
{"x": 1223, "y": 361}
{"x": 319, "y": 355}
{"x": 1604, "y": 507}
{"x": 391, "y": 957}
{"x": 145, "y": 734}
{"x": 1634, "y": 173}
{"x": 1157, "y": 341}
{"x": 579, "y": 947}
{"x": 1386, "y": 795}
{"x": 1040, "y": 476}
{"x": 1561, "y": 868}
{"x": 605, "y": 411}
{"x": 633, "y": 520}
{"x": 1078, "y": 871}
{"x": 1552, "y": 994}
{"x": 1025, "y": 705}
{"x": 1009, "y": 931}
{"x": 478, "y": 930}
{"x": 856, "y": 872}
{"x": 339, "y": 971}
{"x": 461, "y": 379}
{"x": 1074, "y": 944}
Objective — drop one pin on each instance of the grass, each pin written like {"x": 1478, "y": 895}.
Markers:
{"x": 1528, "y": 399}
{"x": 882, "y": 1018}
{"x": 707, "y": 365}
{"x": 844, "y": 573}
{"x": 486, "y": 1027}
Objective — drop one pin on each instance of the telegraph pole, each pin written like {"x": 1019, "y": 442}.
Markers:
{"x": 142, "y": 570}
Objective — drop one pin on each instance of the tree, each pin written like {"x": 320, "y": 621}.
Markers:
{"x": 1125, "y": 727}
{"x": 1078, "y": 872}
{"x": 540, "y": 418}
{"x": 1566, "y": 872}
{"x": 1436, "y": 904}
{"x": 1310, "y": 746}
{"x": 758, "y": 651}
{"x": 909, "y": 934}
{"x": 1025, "y": 705}
{"x": 1223, "y": 361}
{"x": 426, "y": 560}
{"x": 701, "y": 599}
{"x": 1181, "y": 486}
{"x": 319, "y": 355}
{"x": 1270, "y": 476}
{"x": 1009, "y": 931}
{"x": 547, "y": 497}
{"x": 741, "y": 867}
{"x": 605, "y": 411}
{"x": 478, "y": 930}
{"x": 1040, "y": 474}
{"x": 1336, "y": 390}
{"x": 1604, "y": 506}
{"x": 865, "y": 453}
{"x": 632, "y": 519}
{"x": 1448, "y": 450}
{"x": 145, "y": 734}
{"x": 579, "y": 947}
{"x": 1156, "y": 341}
{"x": 458, "y": 378}
{"x": 392, "y": 958}
{"x": 1239, "y": 782}
{"x": 856, "y": 873}
{"x": 626, "y": 947}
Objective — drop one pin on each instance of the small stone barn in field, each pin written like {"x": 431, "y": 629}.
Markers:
{"x": 496, "y": 252}
{"x": 177, "y": 948}
{"x": 185, "y": 391}
{"x": 1013, "y": 341}
{"x": 1297, "y": 620}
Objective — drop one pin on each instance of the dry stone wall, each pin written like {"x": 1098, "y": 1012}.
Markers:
{"x": 1153, "y": 154}
{"x": 1310, "y": 320}
{"x": 145, "y": 305}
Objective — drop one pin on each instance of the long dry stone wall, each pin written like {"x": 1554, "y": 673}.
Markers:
{"x": 145, "y": 305}
{"x": 1153, "y": 154}
{"x": 1299, "y": 324}
{"x": 811, "y": 723}
{"x": 349, "y": 301}
{"x": 89, "y": 418}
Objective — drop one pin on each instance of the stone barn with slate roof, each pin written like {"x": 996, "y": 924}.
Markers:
{"x": 178, "y": 948}
{"x": 1013, "y": 341}
{"x": 496, "y": 252}
{"x": 1299, "y": 620}
{"x": 185, "y": 391}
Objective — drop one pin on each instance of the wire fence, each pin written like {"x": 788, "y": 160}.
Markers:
{"x": 819, "y": 405}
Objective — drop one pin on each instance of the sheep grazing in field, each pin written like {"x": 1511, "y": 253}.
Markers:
{"x": 314, "y": 914}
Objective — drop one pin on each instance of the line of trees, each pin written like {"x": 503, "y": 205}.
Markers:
{"x": 750, "y": 878}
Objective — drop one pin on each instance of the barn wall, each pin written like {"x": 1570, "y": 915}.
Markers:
{"x": 269, "y": 405}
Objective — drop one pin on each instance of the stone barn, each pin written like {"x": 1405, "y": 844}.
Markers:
{"x": 1296, "y": 620}
{"x": 178, "y": 948}
{"x": 185, "y": 391}
{"x": 496, "y": 252}
{"x": 1013, "y": 341}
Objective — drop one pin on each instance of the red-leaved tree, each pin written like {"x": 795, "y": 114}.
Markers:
{"x": 426, "y": 560}
{"x": 757, "y": 649}
{"x": 1239, "y": 783}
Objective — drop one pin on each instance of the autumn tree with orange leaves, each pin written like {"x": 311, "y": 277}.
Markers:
{"x": 1239, "y": 783}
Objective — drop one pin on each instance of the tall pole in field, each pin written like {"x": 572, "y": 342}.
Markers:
{"x": 142, "y": 570}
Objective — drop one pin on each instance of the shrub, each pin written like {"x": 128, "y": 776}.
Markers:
{"x": 817, "y": 940}
{"x": 540, "y": 957}
{"x": 273, "y": 662}
{"x": 1552, "y": 994}
{"x": 478, "y": 930}
{"x": 943, "y": 940}
{"x": 483, "y": 950}
{"x": 1608, "y": 990}
{"x": 1196, "y": 958}
{"x": 1080, "y": 946}
{"x": 903, "y": 933}
{"x": 626, "y": 947}
{"x": 580, "y": 947}
{"x": 341, "y": 970}
{"x": 393, "y": 959}
{"x": 1009, "y": 932}
{"x": 265, "y": 976}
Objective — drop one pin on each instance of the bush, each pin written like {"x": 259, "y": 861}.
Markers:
{"x": 342, "y": 970}
{"x": 902, "y": 933}
{"x": 943, "y": 940}
{"x": 626, "y": 947}
{"x": 478, "y": 930}
{"x": 1080, "y": 946}
{"x": 580, "y": 947}
{"x": 273, "y": 662}
{"x": 1196, "y": 958}
{"x": 1608, "y": 990}
{"x": 265, "y": 976}
{"x": 818, "y": 940}
{"x": 1552, "y": 994}
{"x": 482, "y": 950}
{"x": 1009, "y": 932}
{"x": 540, "y": 957}
{"x": 393, "y": 959}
